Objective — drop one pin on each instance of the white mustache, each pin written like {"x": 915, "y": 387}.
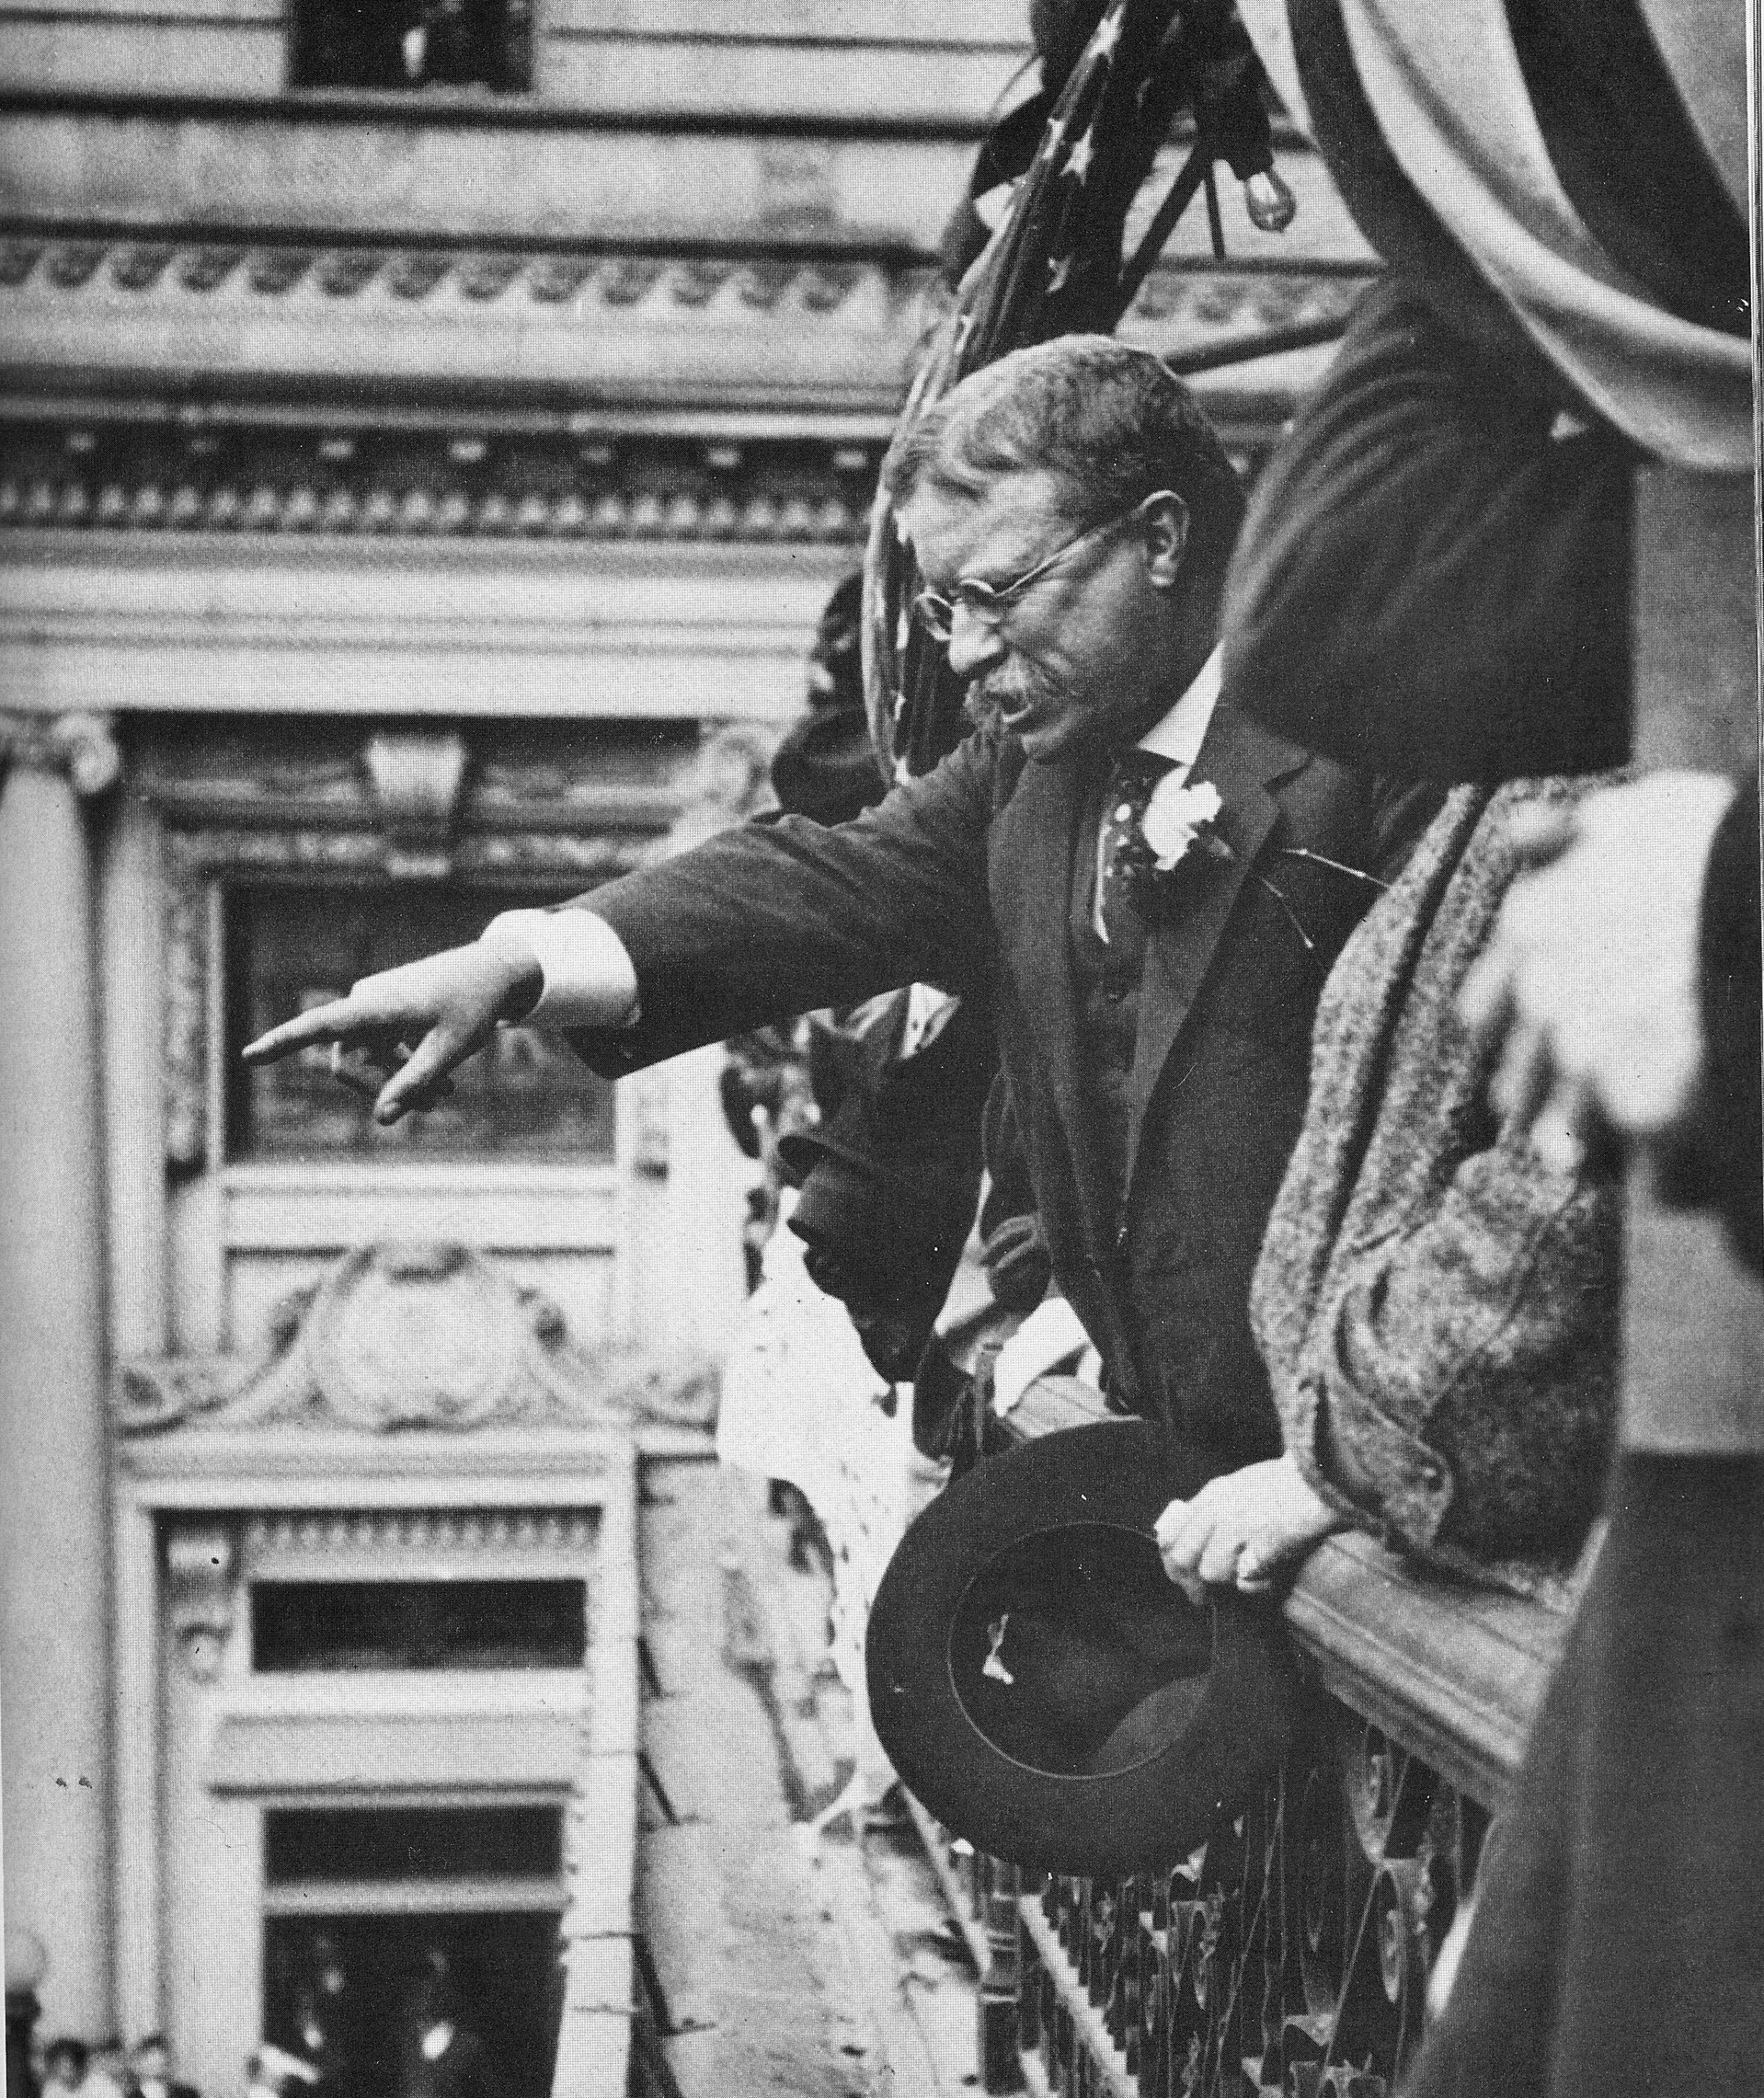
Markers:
{"x": 1011, "y": 687}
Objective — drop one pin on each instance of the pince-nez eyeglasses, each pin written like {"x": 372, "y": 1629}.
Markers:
{"x": 988, "y": 602}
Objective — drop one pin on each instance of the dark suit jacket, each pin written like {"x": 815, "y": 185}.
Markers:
{"x": 964, "y": 878}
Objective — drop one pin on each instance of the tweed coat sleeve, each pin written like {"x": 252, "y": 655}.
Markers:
{"x": 1438, "y": 1308}
{"x": 779, "y": 917}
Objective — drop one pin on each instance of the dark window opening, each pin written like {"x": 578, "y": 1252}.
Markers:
{"x": 412, "y": 43}
{"x": 302, "y": 1626}
{"x": 524, "y": 1094}
{"x": 352, "y": 1994}
{"x": 362, "y": 1843}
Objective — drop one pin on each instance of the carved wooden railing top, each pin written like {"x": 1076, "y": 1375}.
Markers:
{"x": 1453, "y": 1673}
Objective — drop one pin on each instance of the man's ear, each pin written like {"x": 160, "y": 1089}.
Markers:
{"x": 1164, "y": 522}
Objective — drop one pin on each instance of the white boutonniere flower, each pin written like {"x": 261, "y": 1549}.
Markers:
{"x": 1180, "y": 820}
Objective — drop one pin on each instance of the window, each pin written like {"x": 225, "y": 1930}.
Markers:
{"x": 412, "y": 44}
{"x": 300, "y": 1626}
{"x": 525, "y": 1094}
{"x": 327, "y": 1845}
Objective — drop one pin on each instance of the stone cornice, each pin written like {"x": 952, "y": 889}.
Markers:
{"x": 507, "y": 323}
{"x": 140, "y": 456}
{"x": 729, "y": 332}
{"x": 374, "y": 168}
{"x": 214, "y": 623}
{"x": 576, "y": 280}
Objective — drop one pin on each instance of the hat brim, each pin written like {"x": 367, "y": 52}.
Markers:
{"x": 1177, "y": 1754}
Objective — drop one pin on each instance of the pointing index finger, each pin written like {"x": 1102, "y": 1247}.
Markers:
{"x": 338, "y": 1021}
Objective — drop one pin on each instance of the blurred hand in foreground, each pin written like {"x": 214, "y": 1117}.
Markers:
{"x": 1242, "y": 1529}
{"x": 1587, "y": 993}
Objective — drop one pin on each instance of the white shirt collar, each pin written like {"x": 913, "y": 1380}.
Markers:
{"x": 1179, "y": 735}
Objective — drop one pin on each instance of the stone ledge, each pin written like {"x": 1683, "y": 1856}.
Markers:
{"x": 743, "y": 331}
{"x": 377, "y": 166}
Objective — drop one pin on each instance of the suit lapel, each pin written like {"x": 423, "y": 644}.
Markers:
{"x": 1241, "y": 758}
{"x": 1033, "y": 842}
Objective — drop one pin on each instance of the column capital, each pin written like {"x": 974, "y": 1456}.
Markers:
{"x": 81, "y": 746}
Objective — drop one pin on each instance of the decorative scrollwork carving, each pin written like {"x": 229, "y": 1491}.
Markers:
{"x": 201, "y": 1593}
{"x": 155, "y": 1395}
{"x": 400, "y": 1336}
{"x": 81, "y": 745}
{"x": 419, "y": 776}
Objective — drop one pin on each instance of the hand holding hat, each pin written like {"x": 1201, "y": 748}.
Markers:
{"x": 1040, "y": 1685}
{"x": 1241, "y": 1528}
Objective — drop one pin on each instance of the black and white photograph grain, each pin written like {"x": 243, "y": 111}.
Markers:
{"x": 882, "y": 1200}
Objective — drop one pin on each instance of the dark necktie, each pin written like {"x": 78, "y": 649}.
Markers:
{"x": 1131, "y": 783}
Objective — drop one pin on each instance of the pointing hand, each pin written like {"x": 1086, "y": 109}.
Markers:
{"x": 447, "y": 1004}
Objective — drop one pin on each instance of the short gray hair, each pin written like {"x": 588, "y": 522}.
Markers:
{"x": 1112, "y": 422}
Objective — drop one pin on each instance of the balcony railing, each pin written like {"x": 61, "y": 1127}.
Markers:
{"x": 1291, "y": 1952}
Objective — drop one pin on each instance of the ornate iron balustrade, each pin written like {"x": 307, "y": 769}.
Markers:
{"x": 1291, "y": 1952}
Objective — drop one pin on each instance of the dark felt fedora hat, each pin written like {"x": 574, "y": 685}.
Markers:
{"x": 1044, "y": 1689}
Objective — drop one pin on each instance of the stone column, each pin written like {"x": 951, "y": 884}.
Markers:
{"x": 54, "y": 1484}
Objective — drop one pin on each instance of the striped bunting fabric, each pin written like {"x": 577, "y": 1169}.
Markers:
{"x": 1579, "y": 156}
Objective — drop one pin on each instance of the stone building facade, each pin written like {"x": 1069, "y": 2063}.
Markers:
{"x": 422, "y": 468}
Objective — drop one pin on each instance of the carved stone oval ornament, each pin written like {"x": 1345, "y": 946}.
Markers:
{"x": 413, "y": 1336}
{"x": 407, "y": 1336}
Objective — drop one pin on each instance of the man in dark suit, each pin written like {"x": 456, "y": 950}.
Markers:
{"x": 1072, "y": 512}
